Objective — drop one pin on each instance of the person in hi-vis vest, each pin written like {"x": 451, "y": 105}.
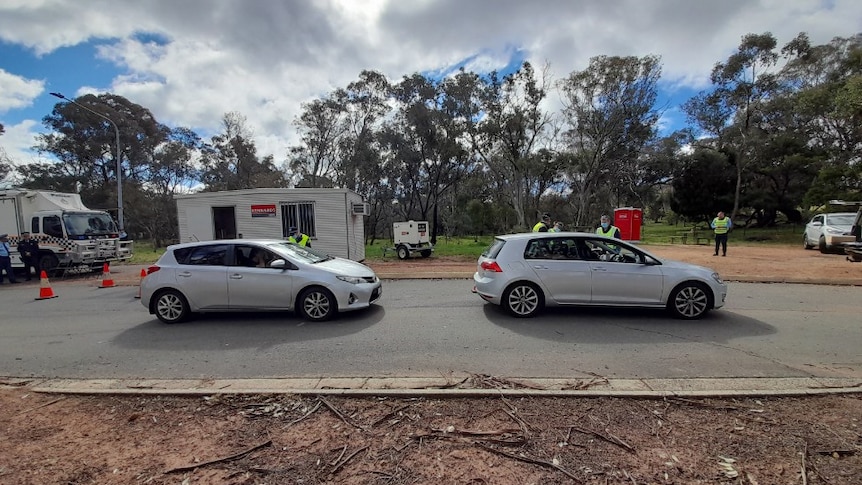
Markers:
{"x": 297, "y": 237}
{"x": 607, "y": 229}
{"x": 721, "y": 225}
{"x": 544, "y": 224}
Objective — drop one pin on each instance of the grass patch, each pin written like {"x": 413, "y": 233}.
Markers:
{"x": 143, "y": 252}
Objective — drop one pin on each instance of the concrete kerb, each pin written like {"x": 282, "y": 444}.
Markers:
{"x": 450, "y": 388}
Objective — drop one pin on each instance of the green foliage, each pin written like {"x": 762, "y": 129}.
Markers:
{"x": 144, "y": 252}
{"x": 703, "y": 186}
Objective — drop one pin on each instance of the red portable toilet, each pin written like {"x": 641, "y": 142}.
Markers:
{"x": 628, "y": 220}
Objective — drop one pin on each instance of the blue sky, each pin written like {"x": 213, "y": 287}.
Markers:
{"x": 190, "y": 62}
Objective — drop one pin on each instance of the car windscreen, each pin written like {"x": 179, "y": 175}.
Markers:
{"x": 299, "y": 253}
{"x": 840, "y": 219}
{"x": 494, "y": 249}
{"x": 88, "y": 224}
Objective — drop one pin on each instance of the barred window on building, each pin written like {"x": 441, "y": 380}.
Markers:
{"x": 298, "y": 214}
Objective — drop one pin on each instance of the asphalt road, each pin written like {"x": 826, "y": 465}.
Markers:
{"x": 430, "y": 328}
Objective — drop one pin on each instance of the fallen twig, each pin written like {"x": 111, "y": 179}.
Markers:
{"x": 702, "y": 404}
{"x": 390, "y": 413}
{"x": 43, "y": 405}
{"x": 219, "y": 460}
{"x": 527, "y": 459}
{"x": 338, "y": 413}
{"x": 610, "y": 438}
{"x": 338, "y": 467}
{"x": 315, "y": 408}
{"x": 836, "y": 452}
{"x": 804, "y": 471}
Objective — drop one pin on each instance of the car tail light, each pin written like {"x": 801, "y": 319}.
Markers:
{"x": 491, "y": 266}
{"x": 152, "y": 269}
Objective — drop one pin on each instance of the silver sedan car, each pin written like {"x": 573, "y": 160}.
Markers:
{"x": 526, "y": 272}
{"x": 255, "y": 275}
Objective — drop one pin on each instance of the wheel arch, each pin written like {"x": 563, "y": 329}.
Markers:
{"x": 710, "y": 294}
{"x": 309, "y": 286}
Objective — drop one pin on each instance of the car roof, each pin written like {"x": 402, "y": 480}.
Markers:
{"x": 261, "y": 242}
{"x": 534, "y": 235}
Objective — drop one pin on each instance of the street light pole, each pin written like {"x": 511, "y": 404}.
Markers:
{"x": 119, "y": 160}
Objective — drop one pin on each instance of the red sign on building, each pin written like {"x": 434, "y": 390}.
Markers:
{"x": 263, "y": 210}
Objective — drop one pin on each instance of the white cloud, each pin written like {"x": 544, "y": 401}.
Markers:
{"x": 18, "y": 141}
{"x": 264, "y": 59}
{"x": 17, "y": 92}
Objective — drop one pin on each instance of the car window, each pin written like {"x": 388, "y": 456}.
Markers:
{"x": 212, "y": 255}
{"x": 494, "y": 249}
{"x": 602, "y": 250}
{"x": 253, "y": 256}
{"x": 817, "y": 219}
{"x": 559, "y": 248}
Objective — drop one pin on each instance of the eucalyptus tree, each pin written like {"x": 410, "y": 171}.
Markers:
{"x": 423, "y": 140}
{"x": 320, "y": 125}
{"x": 5, "y": 163}
{"x": 740, "y": 86}
{"x": 365, "y": 104}
{"x": 506, "y": 127}
{"x": 230, "y": 160}
{"x": 610, "y": 117}
{"x": 825, "y": 100}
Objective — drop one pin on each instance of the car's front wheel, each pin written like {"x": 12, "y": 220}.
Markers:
{"x": 805, "y": 243}
{"x": 523, "y": 300}
{"x": 317, "y": 304}
{"x": 690, "y": 301}
{"x": 822, "y": 245}
{"x": 171, "y": 306}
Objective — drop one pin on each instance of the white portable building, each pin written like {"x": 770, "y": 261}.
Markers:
{"x": 332, "y": 218}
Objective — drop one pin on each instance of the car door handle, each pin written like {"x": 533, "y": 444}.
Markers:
{"x": 599, "y": 268}
{"x": 538, "y": 266}
{"x": 236, "y": 276}
{"x": 184, "y": 274}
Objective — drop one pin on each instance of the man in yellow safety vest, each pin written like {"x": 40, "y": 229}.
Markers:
{"x": 543, "y": 225}
{"x": 721, "y": 225}
{"x": 297, "y": 237}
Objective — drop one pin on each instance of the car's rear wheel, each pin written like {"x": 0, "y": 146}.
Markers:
{"x": 171, "y": 306}
{"x": 822, "y": 245}
{"x": 690, "y": 300}
{"x": 805, "y": 243}
{"x": 317, "y": 304}
{"x": 523, "y": 300}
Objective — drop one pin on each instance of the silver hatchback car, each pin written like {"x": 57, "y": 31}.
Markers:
{"x": 526, "y": 272}
{"x": 255, "y": 275}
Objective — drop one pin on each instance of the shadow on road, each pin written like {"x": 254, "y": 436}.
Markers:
{"x": 627, "y": 325}
{"x": 215, "y": 331}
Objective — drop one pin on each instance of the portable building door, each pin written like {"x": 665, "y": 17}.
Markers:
{"x": 199, "y": 220}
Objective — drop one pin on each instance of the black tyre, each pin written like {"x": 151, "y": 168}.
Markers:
{"x": 403, "y": 252}
{"x": 805, "y": 243}
{"x": 48, "y": 262}
{"x": 690, "y": 301}
{"x": 822, "y": 245}
{"x": 523, "y": 300}
{"x": 170, "y": 306}
{"x": 317, "y": 304}
{"x": 426, "y": 253}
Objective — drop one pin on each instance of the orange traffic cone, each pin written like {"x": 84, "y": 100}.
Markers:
{"x": 107, "y": 280}
{"x": 143, "y": 275}
{"x": 45, "y": 291}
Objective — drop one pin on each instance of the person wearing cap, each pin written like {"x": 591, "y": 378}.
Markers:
{"x": 6, "y": 260}
{"x": 543, "y": 225}
{"x": 28, "y": 248}
{"x": 295, "y": 236}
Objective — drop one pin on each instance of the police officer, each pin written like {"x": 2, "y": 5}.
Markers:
{"x": 6, "y": 260}
{"x": 543, "y": 225}
{"x": 721, "y": 225}
{"x": 607, "y": 229}
{"x": 297, "y": 237}
{"x": 28, "y": 248}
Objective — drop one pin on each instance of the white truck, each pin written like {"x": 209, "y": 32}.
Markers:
{"x": 69, "y": 234}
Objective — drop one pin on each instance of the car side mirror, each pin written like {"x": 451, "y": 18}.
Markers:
{"x": 817, "y": 224}
{"x": 278, "y": 263}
